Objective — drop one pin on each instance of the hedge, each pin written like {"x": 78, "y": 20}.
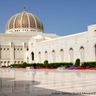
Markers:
{"x": 54, "y": 65}
{"x": 89, "y": 64}
{"x": 49, "y": 65}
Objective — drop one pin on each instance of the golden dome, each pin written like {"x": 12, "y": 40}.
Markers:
{"x": 24, "y": 21}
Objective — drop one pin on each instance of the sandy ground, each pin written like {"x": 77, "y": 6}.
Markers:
{"x": 30, "y": 82}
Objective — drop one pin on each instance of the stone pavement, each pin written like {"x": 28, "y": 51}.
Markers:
{"x": 21, "y": 82}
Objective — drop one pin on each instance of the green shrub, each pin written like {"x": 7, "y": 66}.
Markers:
{"x": 64, "y": 64}
{"x": 77, "y": 62}
{"x": 89, "y": 64}
{"x": 45, "y": 64}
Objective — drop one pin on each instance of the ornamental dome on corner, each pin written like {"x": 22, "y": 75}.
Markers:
{"x": 24, "y": 21}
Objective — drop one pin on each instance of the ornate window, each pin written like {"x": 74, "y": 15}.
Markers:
{"x": 62, "y": 55}
{"x": 4, "y": 61}
{"x": 8, "y": 61}
{"x": 71, "y": 53}
{"x": 27, "y": 49}
{"x": 53, "y": 56}
{"x": 82, "y": 53}
{"x": 18, "y": 62}
{"x": 21, "y": 49}
{"x": 17, "y": 48}
{"x": 15, "y": 62}
{"x": 39, "y": 56}
{"x": 46, "y": 55}
{"x": 4, "y": 48}
{"x": 21, "y": 61}
{"x": 7, "y": 48}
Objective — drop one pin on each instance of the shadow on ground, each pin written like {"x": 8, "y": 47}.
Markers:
{"x": 10, "y": 87}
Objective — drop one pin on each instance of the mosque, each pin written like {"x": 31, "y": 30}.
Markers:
{"x": 26, "y": 41}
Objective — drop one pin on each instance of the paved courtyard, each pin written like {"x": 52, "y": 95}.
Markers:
{"x": 25, "y": 82}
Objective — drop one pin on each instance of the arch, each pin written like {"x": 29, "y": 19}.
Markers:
{"x": 62, "y": 55}
{"x": 8, "y": 61}
{"x": 61, "y": 50}
{"x": 27, "y": 49}
{"x": 32, "y": 55}
{"x": 53, "y": 51}
{"x": 71, "y": 49}
{"x": 82, "y": 54}
{"x": 46, "y": 55}
{"x": 14, "y": 62}
{"x": 39, "y": 52}
{"x": 39, "y": 56}
{"x": 81, "y": 47}
{"x": 71, "y": 53}
{"x": 46, "y": 52}
{"x": 18, "y": 62}
{"x": 53, "y": 56}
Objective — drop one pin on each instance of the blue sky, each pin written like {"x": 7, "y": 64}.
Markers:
{"x": 58, "y": 16}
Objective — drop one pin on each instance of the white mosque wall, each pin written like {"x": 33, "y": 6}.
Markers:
{"x": 81, "y": 45}
{"x": 17, "y": 47}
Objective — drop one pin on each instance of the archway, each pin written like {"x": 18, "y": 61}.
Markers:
{"x": 39, "y": 56}
{"x": 71, "y": 53}
{"x": 82, "y": 54}
{"x": 62, "y": 55}
{"x": 32, "y": 55}
{"x": 53, "y": 56}
{"x": 46, "y": 55}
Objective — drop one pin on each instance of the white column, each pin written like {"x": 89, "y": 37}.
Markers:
{"x": 12, "y": 53}
{"x": 24, "y": 52}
